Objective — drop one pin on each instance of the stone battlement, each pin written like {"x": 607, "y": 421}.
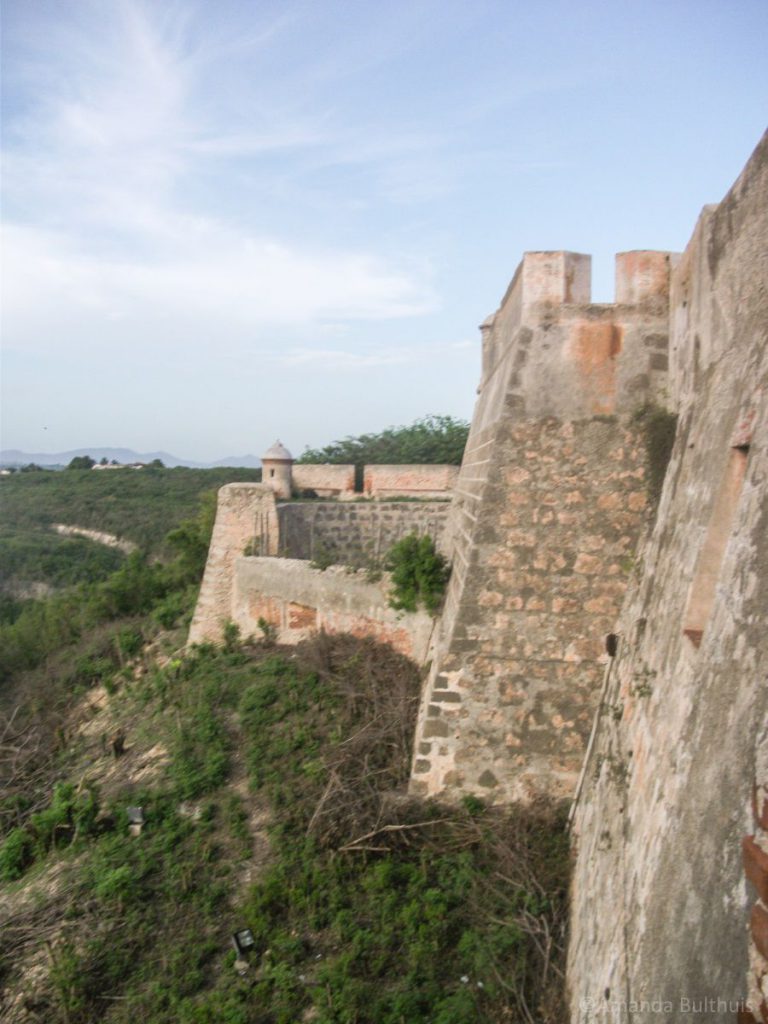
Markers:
{"x": 548, "y": 508}
{"x": 588, "y": 359}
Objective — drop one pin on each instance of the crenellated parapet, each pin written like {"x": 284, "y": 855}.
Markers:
{"x": 590, "y": 358}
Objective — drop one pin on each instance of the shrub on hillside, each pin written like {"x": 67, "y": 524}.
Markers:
{"x": 419, "y": 574}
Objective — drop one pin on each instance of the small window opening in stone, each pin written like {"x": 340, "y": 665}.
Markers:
{"x": 701, "y": 597}
{"x": 271, "y": 472}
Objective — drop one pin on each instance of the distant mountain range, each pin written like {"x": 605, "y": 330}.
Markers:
{"x": 55, "y": 460}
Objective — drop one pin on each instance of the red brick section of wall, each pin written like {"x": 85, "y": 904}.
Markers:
{"x": 325, "y": 480}
{"x": 409, "y": 481}
{"x": 755, "y": 849}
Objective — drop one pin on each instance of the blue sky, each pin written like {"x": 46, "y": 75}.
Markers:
{"x": 226, "y": 222}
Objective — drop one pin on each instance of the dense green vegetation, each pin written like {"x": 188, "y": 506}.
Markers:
{"x": 140, "y": 505}
{"x": 277, "y": 805}
{"x": 35, "y": 563}
{"x": 30, "y": 556}
{"x": 364, "y": 909}
{"x": 81, "y": 462}
{"x": 419, "y": 574}
{"x": 42, "y": 629}
{"x": 433, "y": 439}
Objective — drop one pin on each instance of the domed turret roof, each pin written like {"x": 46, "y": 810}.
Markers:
{"x": 278, "y": 452}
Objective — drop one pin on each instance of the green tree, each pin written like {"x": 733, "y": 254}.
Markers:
{"x": 82, "y": 462}
{"x": 431, "y": 440}
{"x": 191, "y": 538}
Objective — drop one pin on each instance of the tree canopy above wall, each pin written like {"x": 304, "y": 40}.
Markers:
{"x": 435, "y": 440}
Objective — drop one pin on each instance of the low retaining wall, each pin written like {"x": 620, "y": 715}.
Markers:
{"x": 409, "y": 481}
{"x": 353, "y": 534}
{"x": 299, "y": 600}
{"x": 327, "y": 481}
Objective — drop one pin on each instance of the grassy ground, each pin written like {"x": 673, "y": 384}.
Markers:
{"x": 364, "y": 906}
{"x": 272, "y": 783}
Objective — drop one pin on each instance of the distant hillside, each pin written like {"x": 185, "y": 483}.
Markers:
{"x": 138, "y": 506}
{"x": 14, "y": 457}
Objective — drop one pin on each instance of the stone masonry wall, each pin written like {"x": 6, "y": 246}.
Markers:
{"x": 355, "y": 533}
{"x": 415, "y": 481}
{"x": 298, "y": 600}
{"x": 660, "y": 904}
{"x": 243, "y": 582}
{"x": 245, "y": 515}
{"x": 755, "y": 848}
{"x": 327, "y": 481}
{"x": 548, "y": 507}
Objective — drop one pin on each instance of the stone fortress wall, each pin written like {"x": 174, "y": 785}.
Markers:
{"x": 259, "y": 571}
{"x": 409, "y": 481}
{"x": 246, "y": 516}
{"x": 325, "y": 480}
{"x": 660, "y": 906}
{"x": 356, "y": 533}
{"x": 298, "y": 600}
{"x": 663, "y": 744}
{"x": 549, "y": 504}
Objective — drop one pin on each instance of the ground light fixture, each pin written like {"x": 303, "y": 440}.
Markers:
{"x": 243, "y": 941}
{"x": 135, "y": 820}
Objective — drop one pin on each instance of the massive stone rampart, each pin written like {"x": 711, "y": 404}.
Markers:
{"x": 548, "y": 507}
{"x": 660, "y": 904}
{"x": 670, "y": 775}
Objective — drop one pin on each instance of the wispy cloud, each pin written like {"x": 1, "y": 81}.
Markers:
{"x": 339, "y": 359}
{"x": 220, "y": 286}
{"x": 101, "y": 168}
